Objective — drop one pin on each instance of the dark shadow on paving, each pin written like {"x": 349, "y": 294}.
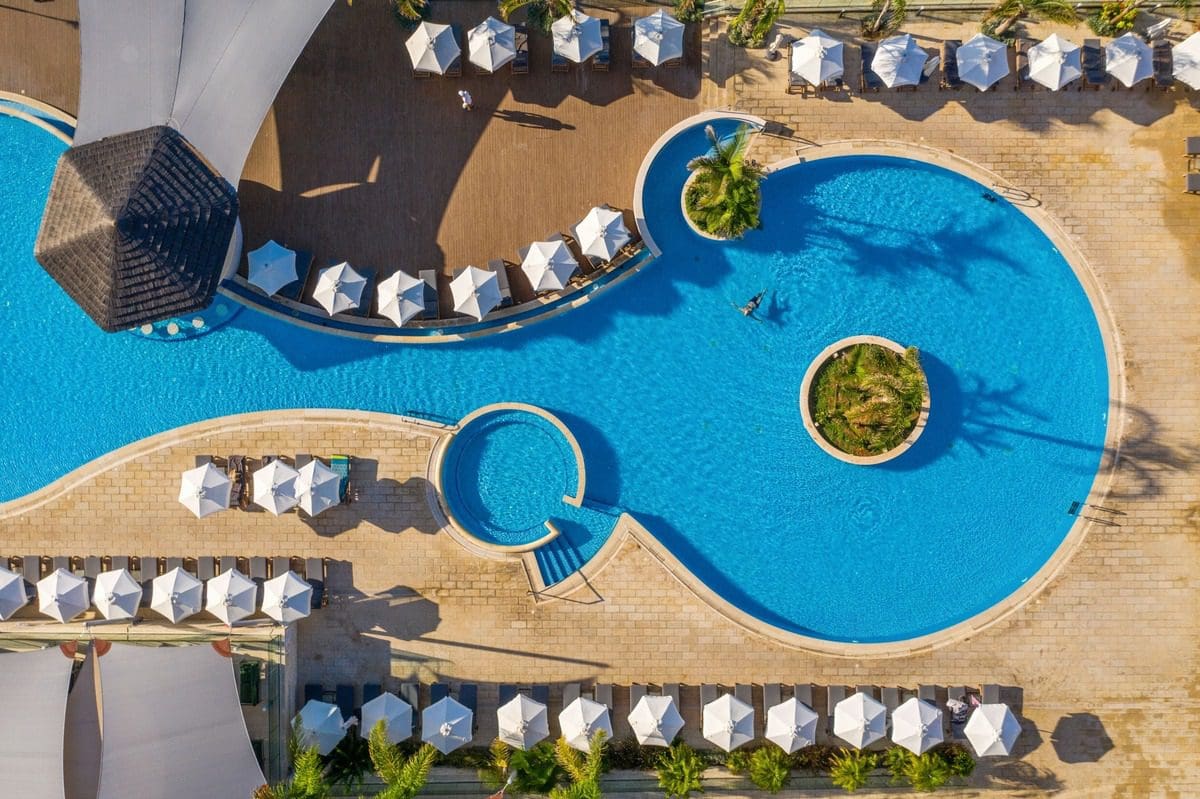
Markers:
{"x": 1080, "y": 738}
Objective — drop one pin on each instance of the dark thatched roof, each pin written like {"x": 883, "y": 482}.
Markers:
{"x": 137, "y": 227}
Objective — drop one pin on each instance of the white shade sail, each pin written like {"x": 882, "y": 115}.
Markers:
{"x": 898, "y": 61}
{"x": 791, "y": 725}
{"x": 446, "y": 724}
{"x": 34, "y": 685}
{"x": 658, "y": 37}
{"x": 917, "y": 725}
{"x": 860, "y": 720}
{"x": 655, "y": 720}
{"x": 992, "y": 730}
{"x": 817, "y": 58}
{"x": 339, "y": 288}
{"x": 231, "y": 596}
{"x": 62, "y": 595}
{"x": 576, "y": 36}
{"x": 116, "y": 594}
{"x": 287, "y": 598}
{"x": 601, "y": 233}
{"x": 1054, "y": 62}
{"x": 271, "y": 267}
{"x": 728, "y": 722}
{"x": 475, "y": 292}
{"x": 275, "y": 487}
{"x": 320, "y": 725}
{"x": 581, "y": 720}
{"x": 394, "y": 712}
{"x": 549, "y": 265}
{"x": 522, "y": 722}
{"x": 982, "y": 61}
{"x": 432, "y": 48}
{"x": 205, "y": 490}
{"x": 12, "y": 593}
{"x": 400, "y": 297}
{"x": 491, "y": 44}
{"x": 317, "y": 487}
{"x": 1129, "y": 59}
{"x": 1185, "y": 61}
{"x": 176, "y": 595}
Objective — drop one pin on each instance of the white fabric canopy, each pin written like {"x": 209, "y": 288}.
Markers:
{"x": 271, "y": 267}
{"x": 576, "y": 36}
{"x": 992, "y": 730}
{"x": 860, "y": 720}
{"x": 549, "y": 265}
{"x": 601, "y": 233}
{"x": 1054, "y": 62}
{"x": 116, "y": 594}
{"x": 320, "y": 725}
{"x": 34, "y": 685}
{"x": 231, "y": 596}
{"x": 394, "y": 712}
{"x": 62, "y": 595}
{"x": 400, "y": 297}
{"x": 491, "y": 44}
{"x": 982, "y": 61}
{"x": 728, "y": 722}
{"x": 317, "y": 487}
{"x": 205, "y": 490}
{"x": 1129, "y": 59}
{"x": 522, "y": 722}
{"x": 658, "y": 37}
{"x": 339, "y": 288}
{"x": 917, "y": 725}
{"x": 176, "y": 595}
{"x": 475, "y": 292}
{"x": 1185, "y": 61}
{"x": 275, "y": 487}
{"x": 287, "y": 598}
{"x": 12, "y": 593}
{"x": 655, "y": 720}
{"x": 817, "y": 57}
{"x": 791, "y": 725}
{"x": 581, "y": 720}
{"x": 898, "y": 61}
{"x": 432, "y": 47}
{"x": 447, "y": 725}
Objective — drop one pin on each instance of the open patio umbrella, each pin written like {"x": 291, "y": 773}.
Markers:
{"x": 317, "y": 487}
{"x": 581, "y": 720}
{"x": 447, "y": 725}
{"x": 859, "y": 720}
{"x": 491, "y": 44}
{"x": 12, "y": 593}
{"x": 898, "y": 61}
{"x": 1054, "y": 62}
{"x": 992, "y": 730}
{"x": 320, "y": 724}
{"x": 116, "y": 594}
{"x": 275, "y": 487}
{"x": 393, "y": 712}
{"x": 475, "y": 292}
{"x": 791, "y": 725}
{"x": 432, "y": 48}
{"x": 728, "y": 722}
{"x": 658, "y": 37}
{"x": 339, "y": 288}
{"x": 817, "y": 58}
{"x": 1185, "y": 61}
{"x": 549, "y": 265}
{"x": 176, "y": 595}
{"x": 62, "y": 595}
{"x": 577, "y": 36}
{"x": 204, "y": 490}
{"x": 655, "y": 720}
{"x": 231, "y": 596}
{"x": 601, "y": 233}
{"x": 287, "y": 598}
{"x": 400, "y": 297}
{"x": 522, "y": 722}
{"x": 1129, "y": 59}
{"x": 271, "y": 267}
{"x": 917, "y": 725}
{"x": 982, "y": 61}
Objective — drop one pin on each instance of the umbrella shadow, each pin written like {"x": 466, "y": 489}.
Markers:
{"x": 1080, "y": 738}
{"x": 386, "y": 503}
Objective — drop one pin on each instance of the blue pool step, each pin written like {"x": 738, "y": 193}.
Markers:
{"x": 557, "y": 561}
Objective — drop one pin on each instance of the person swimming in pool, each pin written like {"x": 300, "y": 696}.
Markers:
{"x": 750, "y": 307}
{"x": 987, "y": 195}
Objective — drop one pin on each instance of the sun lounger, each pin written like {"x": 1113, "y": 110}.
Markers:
{"x": 429, "y": 276}
{"x": 1091, "y": 58}
{"x": 438, "y": 691}
{"x": 1022, "y": 54}
{"x": 411, "y": 692}
{"x": 1164, "y": 65}
{"x": 341, "y": 465}
{"x": 172, "y": 564}
{"x": 950, "y": 79}
{"x": 1191, "y": 147}
{"x": 258, "y": 573}
{"x": 541, "y": 693}
{"x": 203, "y": 460}
{"x": 559, "y": 63}
{"x": 371, "y": 690}
{"x": 833, "y": 695}
{"x": 497, "y": 265}
{"x": 636, "y": 692}
{"x": 147, "y": 570}
{"x": 62, "y": 562}
{"x": 991, "y": 694}
{"x": 468, "y": 696}
{"x": 205, "y": 568}
{"x": 303, "y": 459}
{"x": 314, "y": 575}
{"x": 603, "y": 694}
{"x": 455, "y": 68}
{"x": 804, "y": 693}
{"x": 92, "y": 567}
{"x": 520, "y": 64}
{"x": 226, "y": 563}
{"x": 772, "y": 695}
{"x": 280, "y": 566}
{"x": 239, "y": 493}
{"x": 601, "y": 60}
{"x": 31, "y": 570}
{"x": 570, "y": 693}
{"x": 671, "y": 689}
{"x": 708, "y": 693}
{"x": 868, "y": 80}
{"x": 344, "y": 699}
{"x": 745, "y": 693}
{"x": 890, "y": 698}
{"x": 313, "y": 691}
{"x": 118, "y": 562}
{"x": 505, "y": 694}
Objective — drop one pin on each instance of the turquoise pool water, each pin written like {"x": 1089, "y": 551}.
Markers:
{"x": 687, "y": 413}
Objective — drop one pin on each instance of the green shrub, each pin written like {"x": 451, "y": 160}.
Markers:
{"x": 627, "y": 753}
{"x": 868, "y": 399}
{"x": 409, "y": 13}
{"x": 680, "y": 772}
{"x": 815, "y": 759}
{"x": 850, "y": 769}
{"x": 1114, "y": 19}
{"x": 724, "y": 196}
{"x": 689, "y": 10}
{"x": 927, "y": 772}
{"x": 960, "y": 761}
{"x": 896, "y": 760}
{"x": 752, "y": 25}
{"x": 738, "y": 761}
{"x": 770, "y": 769}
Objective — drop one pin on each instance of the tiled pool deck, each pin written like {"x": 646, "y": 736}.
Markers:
{"x": 1107, "y": 656}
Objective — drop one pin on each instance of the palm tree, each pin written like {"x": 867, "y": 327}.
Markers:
{"x": 403, "y": 776}
{"x": 723, "y": 198}
{"x": 307, "y": 782}
{"x": 583, "y": 770}
{"x": 410, "y": 9}
{"x": 1004, "y": 15}
{"x": 680, "y": 772}
{"x": 534, "y": 770}
{"x": 540, "y": 12}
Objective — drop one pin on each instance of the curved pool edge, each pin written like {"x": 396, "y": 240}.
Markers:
{"x": 33, "y": 110}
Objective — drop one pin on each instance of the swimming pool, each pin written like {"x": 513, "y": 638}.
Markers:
{"x": 686, "y": 412}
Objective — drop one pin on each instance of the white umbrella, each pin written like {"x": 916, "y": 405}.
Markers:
{"x": 271, "y": 267}
{"x": 231, "y": 596}
{"x": 12, "y": 593}
{"x": 655, "y": 720}
{"x": 287, "y": 598}
{"x": 728, "y": 722}
{"x": 400, "y": 297}
{"x": 491, "y": 44}
{"x": 275, "y": 487}
{"x": 577, "y": 36}
{"x": 339, "y": 288}
{"x": 601, "y": 233}
{"x": 1129, "y": 59}
{"x": 432, "y": 48}
{"x": 917, "y": 725}
{"x": 1185, "y": 60}
{"x": 898, "y": 61}
{"x": 982, "y": 61}
{"x": 176, "y": 595}
{"x": 522, "y": 722}
{"x": 205, "y": 490}
{"x": 116, "y": 594}
{"x": 817, "y": 58}
{"x": 320, "y": 725}
{"x": 475, "y": 292}
{"x": 581, "y": 720}
{"x": 859, "y": 720}
{"x": 992, "y": 730}
{"x": 317, "y": 487}
{"x": 658, "y": 37}
{"x": 791, "y": 725}
{"x": 62, "y": 595}
{"x": 446, "y": 724}
{"x": 392, "y": 711}
{"x": 548, "y": 265}
{"x": 1054, "y": 62}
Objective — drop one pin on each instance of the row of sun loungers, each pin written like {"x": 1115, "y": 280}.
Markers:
{"x": 241, "y": 468}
